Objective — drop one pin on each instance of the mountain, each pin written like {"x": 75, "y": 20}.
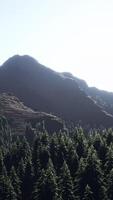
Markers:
{"x": 103, "y": 98}
{"x": 19, "y": 115}
{"x": 45, "y": 90}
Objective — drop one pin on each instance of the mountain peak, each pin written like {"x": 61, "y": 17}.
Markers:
{"x": 18, "y": 59}
{"x": 45, "y": 90}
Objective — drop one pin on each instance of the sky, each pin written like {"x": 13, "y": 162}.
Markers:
{"x": 65, "y": 35}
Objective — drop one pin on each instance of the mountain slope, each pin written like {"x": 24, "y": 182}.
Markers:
{"x": 18, "y": 115}
{"x": 45, "y": 90}
{"x": 103, "y": 98}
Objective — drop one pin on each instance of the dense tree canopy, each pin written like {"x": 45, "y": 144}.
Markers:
{"x": 71, "y": 165}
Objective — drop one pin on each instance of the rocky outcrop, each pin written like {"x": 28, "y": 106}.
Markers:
{"x": 19, "y": 115}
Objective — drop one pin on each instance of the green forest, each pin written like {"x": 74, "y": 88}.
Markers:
{"x": 76, "y": 164}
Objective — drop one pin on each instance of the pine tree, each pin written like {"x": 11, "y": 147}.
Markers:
{"x": 25, "y": 150}
{"x": 92, "y": 175}
{"x": 21, "y": 174}
{"x": 3, "y": 171}
{"x": 21, "y": 170}
{"x": 15, "y": 183}
{"x": 35, "y": 156}
{"x": 109, "y": 134}
{"x": 72, "y": 161}
{"x": 15, "y": 152}
{"x": 110, "y": 185}
{"x": 81, "y": 143}
{"x": 30, "y": 134}
{"x": 54, "y": 150}
{"x": 45, "y": 138}
{"x": 79, "y": 181}
{"x": 44, "y": 156}
{"x": 46, "y": 186}
{"x": 27, "y": 185}
{"x": 109, "y": 160}
{"x": 88, "y": 194}
{"x": 66, "y": 183}
{"x": 6, "y": 189}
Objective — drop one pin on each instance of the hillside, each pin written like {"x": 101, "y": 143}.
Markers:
{"x": 103, "y": 98}
{"x": 18, "y": 115}
{"x": 45, "y": 90}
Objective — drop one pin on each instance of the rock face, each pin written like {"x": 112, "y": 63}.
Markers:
{"x": 45, "y": 90}
{"x": 18, "y": 115}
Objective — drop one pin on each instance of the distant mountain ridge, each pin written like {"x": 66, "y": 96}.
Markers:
{"x": 45, "y": 90}
{"x": 103, "y": 98}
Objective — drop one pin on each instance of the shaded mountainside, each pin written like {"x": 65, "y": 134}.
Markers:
{"x": 45, "y": 90}
{"x": 103, "y": 98}
{"x": 18, "y": 115}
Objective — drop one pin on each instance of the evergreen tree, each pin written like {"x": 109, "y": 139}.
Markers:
{"x": 21, "y": 174}
{"x": 35, "y": 156}
{"x": 75, "y": 165}
{"x": 25, "y": 150}
{"x": 54, "y": 150}
{"x": 79, "y": 181}
{"x": 110, "y": 185}
{"x": 109, "y": 138}
{"x": 28, "y": 179}
{"x": 81, "y": 144}
{"x": 6, "y": 189}
{"x": 45, "y": 138}
{"x": 109, "y": 160}
{"x": 72, "y": 161}
{"x": 46, "y": 186}
{"x": 66, "y": 183}
{"x": 3, "y": 171}
{"x": 15, "y": 183}
{"x": 30, "y": 134}
{"x": 92, "y": 175}
{"x": 88, "y": 194}
{"x": 44, "y": 156}
{"x": 21, "y": 170}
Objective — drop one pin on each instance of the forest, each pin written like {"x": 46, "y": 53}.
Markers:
{"x": 76, "y": 164}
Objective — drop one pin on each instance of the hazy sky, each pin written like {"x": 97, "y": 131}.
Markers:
{"x": 66, "y": 35}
